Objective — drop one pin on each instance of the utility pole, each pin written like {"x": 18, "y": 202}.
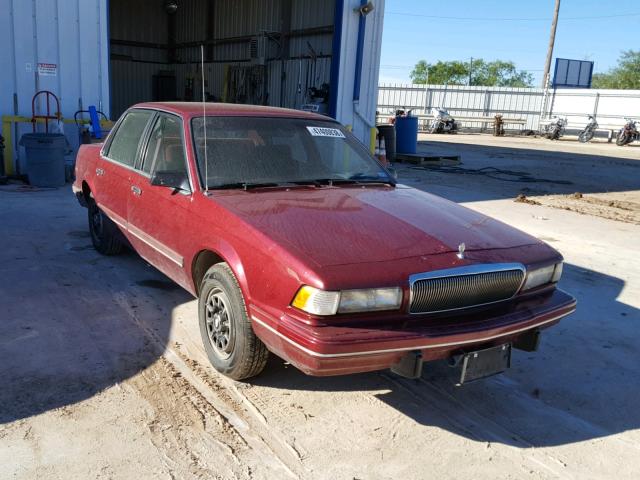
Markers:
{"x": 552, "y": 40}
{"x": 470, "y": 69}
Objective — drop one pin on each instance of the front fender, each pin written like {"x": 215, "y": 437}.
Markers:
{"x": 228, "y": 254}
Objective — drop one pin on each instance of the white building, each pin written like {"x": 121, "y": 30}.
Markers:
{"x": 114, "y": 53}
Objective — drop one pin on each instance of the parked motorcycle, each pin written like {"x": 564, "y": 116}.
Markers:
{"x": 442, "y": 121}
{"x": 555, "y": 129}
{"x": 589, "y": 131}
{"x": 628, "y": 133}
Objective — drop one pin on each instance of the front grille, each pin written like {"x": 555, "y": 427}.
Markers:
{"x": 464, "y": 287}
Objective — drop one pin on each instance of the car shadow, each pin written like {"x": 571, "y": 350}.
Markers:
{"x": 579, "y": 386}
{"x": 489, "y": 172}
{"x": 73, "y": 323}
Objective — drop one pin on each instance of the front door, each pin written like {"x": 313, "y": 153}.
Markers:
{"x": 157, "y": 214}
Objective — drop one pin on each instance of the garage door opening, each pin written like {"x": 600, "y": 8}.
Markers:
{"x": 264, "y": 52}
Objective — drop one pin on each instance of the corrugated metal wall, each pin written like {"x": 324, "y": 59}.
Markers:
{"x": 74, "y": 35}
{"x": 531, "y": 104}
{"x": 70, "y": 34}
{"x": 466, "y": 101}
{"x": 67, "y": 34}
{"x": 225, "y": 27}
{"x": 360, "y": 113}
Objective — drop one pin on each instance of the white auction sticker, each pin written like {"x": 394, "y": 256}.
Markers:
{"x": 325, "y": 132}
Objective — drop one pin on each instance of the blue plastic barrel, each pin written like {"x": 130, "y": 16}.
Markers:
{"x": 406, "y": 134}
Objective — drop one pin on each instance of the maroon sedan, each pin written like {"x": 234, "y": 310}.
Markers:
{"x": 297, "y": 241}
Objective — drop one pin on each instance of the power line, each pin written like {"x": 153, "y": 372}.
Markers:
{"x": 506, "y": 19}
{"x": 404, "y": 67}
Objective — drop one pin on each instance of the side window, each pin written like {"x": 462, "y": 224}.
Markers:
{"x": 124, "y": 145}
{"x": 165, "y": 151}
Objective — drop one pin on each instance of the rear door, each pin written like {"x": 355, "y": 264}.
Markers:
{"x": 116, "y": 164}
{"x": 157, "y": 215}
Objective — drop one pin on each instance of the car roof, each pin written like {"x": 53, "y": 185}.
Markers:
{"x": 192, "y": 109}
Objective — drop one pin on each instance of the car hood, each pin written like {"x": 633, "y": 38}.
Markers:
{"x": 351, "y": 225}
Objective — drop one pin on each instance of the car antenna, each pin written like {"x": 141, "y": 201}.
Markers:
{"x": 204, "y": 123}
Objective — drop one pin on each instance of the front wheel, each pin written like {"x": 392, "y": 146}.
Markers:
{"x": 622, "y": 139}
{"x": 104, "y": 233}
{"x": 231, "y": 345}
{"x": 585, "y": 136}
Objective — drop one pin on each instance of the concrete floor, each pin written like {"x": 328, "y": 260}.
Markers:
{"x": 104, "y": 375}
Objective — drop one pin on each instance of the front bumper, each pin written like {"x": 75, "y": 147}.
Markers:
{"x": 337, "y": 350}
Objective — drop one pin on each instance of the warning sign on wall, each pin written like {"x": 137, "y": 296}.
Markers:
{"x": 48, "y": 69}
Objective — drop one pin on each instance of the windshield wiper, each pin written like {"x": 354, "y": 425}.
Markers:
{"x": 243, "y": 185}
{"x": 364, "y": 178}
{"x": 342, "y": 181}
{"x": 252, "y": 185}
{"x": 317, "y": 182}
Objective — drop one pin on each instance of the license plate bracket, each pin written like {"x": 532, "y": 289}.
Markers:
{"x": 484, "y": 363}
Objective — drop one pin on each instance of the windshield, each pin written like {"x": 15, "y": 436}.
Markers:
{"x": 246, "y": 151}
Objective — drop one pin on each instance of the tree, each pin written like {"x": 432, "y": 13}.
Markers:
{"x": 453, "y": 73}
{"x": 626, "y": 75}
{"x": 498, "y": 73}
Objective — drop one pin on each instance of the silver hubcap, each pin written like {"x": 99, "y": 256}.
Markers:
{"x": 218, "y": 321}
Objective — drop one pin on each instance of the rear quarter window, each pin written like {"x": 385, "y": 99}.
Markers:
{"x": 124, "y": 146}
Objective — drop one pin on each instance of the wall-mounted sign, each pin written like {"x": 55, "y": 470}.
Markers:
{"x": 47, "y": 69}
{"x": 572, "y": 73}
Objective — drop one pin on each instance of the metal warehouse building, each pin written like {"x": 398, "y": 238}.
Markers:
{"x": 114, "y": 53}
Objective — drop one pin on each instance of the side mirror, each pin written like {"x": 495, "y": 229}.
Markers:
{"x": 175, "y": 180}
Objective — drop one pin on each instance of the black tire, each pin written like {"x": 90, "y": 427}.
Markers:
{"x": 231, "y": 345}
{"x": 585, "y": 136}
{"x": 622, "y": 139}
{"x": 105, "y": 235}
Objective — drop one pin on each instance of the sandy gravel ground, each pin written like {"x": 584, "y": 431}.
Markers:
{"x": 621, "y": 206}
{"x": 597, "y": 178}
{"x": 104, "y": 375}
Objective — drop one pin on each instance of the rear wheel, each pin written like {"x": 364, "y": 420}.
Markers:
{"x": 231, "y": 345}
{"x": 104, "y": 233}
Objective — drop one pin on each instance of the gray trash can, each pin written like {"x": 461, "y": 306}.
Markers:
{"x": 45, "y": 158}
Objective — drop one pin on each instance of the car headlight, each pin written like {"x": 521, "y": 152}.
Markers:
{"x": 542, "y": 276}
{"x": 370, "y": 300}
{"x": 321, "y": 302}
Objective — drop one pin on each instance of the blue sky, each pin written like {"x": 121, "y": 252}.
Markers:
{"x": 516, "y": 30}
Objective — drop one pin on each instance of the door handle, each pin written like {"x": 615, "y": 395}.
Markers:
{"x": 136, "y": 190}
{"x": 99, "y": 172}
